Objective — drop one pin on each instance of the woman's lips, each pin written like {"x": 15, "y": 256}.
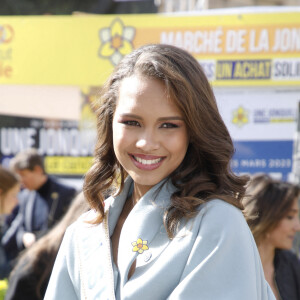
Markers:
{"x": 147, "y": 162}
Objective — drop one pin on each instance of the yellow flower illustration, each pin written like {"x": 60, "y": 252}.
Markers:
{"x": 139, "y": 246}
{"x": 116, "y": 41}
{"x": 240, "y": 117}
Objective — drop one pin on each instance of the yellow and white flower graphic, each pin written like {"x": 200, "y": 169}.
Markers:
{"x": 139, "y": 246}
{"x": 240, "y": 117}
{"x": 116, "y": 41}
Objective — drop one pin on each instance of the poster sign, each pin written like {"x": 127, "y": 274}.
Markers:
{"x": 235, "y": 49}
{"x": 262, "y": 123}
{"x": 67, "y": 150}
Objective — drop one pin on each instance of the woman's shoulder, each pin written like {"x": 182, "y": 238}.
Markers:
{"x": 219, "y": 216}
{"x": 287, "y": 256}
{"x": 219, "y": 208}
{"x": 81, "y": 233}
{"x": 84, "y": 221}
{"x": 287, "y": 268}
{"x": 87, "y": 216}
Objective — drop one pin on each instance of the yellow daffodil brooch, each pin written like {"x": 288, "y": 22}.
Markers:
{"x": 139, "y": 246}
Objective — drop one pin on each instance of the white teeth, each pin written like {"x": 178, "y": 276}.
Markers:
{"x": 147, "y": 161}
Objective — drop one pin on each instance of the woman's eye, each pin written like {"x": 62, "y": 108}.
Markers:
{"x": 169, "y": 125}
{"x": 131, "y": 123}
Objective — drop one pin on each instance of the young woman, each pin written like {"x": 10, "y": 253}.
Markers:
{"x": 272, "y": 211}
{"x": 174, "y": 228}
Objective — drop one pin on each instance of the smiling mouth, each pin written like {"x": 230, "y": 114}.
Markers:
{"x": 148, "y": 161}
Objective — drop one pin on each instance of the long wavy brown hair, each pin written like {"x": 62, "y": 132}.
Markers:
{"x": 205, "y": 172}
{"x": 268, "y": 201}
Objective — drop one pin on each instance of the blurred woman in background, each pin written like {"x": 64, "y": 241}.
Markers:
{"x": 9, "y": 189}
{"x": 272, "y": 212}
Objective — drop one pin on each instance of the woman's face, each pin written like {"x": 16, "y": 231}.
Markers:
{"x": 283, "y": 235}
{"x": 10, "y": 200}
{"x": 149, "y": 134}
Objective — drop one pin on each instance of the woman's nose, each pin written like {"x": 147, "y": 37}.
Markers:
{"x": 148, "y": 141}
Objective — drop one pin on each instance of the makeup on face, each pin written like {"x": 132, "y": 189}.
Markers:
{"x": 149, "y": 134}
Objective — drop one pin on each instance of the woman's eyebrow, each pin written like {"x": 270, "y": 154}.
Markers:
{"x": 130, "y": 116}
{"x": 170, "y": 118}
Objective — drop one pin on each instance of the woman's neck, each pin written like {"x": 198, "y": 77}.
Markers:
{"x": 137, "y": 194}
{"x": 267, "y": 254}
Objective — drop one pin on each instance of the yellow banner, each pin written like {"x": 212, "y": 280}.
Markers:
{"x": 235, "y": 49}
{"x": 60, "y": 165}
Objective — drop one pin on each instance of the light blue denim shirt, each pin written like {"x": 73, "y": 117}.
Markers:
{"x": 213, "y": 256}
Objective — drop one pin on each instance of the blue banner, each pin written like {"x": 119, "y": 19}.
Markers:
{"x": 263, "y": 157}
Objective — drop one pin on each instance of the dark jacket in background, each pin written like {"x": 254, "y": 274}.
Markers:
{"x": 287, "y": 274}
{"x": 6, "y": 264}
{"x": 38, "y": 212}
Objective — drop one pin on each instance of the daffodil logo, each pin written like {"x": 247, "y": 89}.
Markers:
{"x": 6, "y": 34}
{"x": 240, "y": 117}
{"x": 139, "y": 246}
{"x": 116, "y": 41}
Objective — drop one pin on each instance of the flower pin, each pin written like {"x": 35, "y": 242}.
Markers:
{"x": 139, "y": 246}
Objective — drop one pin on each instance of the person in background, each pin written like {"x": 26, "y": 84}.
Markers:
{"x": 43, "y": 201}
{"x": 272, "y": 212}
{"x": 9, "y": 189}
{"x": 29, "y": 278}
{"x": 174, "y": 229}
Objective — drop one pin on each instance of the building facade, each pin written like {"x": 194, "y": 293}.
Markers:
{"x": 196, "y": 5}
